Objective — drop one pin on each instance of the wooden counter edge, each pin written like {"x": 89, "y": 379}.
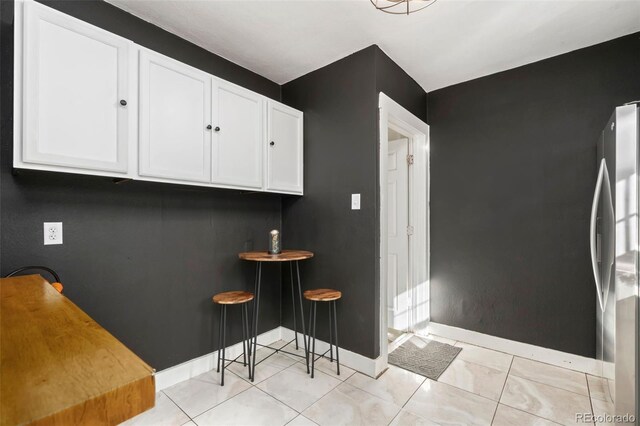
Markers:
{"x": 111, "y": 408}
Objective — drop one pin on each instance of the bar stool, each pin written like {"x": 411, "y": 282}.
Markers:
{"x": 323, "y": 295}
{"x": 233, "y": 298}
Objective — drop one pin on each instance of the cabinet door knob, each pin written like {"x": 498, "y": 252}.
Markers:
{"x": 272, "y": 143}
{"x": 209, "y": 127}
{"x": 123, "y": 102}
{"x": 217, "y": 129}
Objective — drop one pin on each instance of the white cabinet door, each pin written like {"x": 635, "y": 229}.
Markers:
{"x": 284, "y": 150}
{"x": 175, "y": 113}
{"x": 76, "y": 80}
{"x": 238, "y": 136}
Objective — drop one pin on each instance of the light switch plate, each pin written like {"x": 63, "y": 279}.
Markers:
{"x": 355, "y": 201}
{"x": 52, "y": 233}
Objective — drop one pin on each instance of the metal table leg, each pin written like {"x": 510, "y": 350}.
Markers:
{"x": 293, "y": 301}
{"x": 256, "y": 309}
{"x": 304, "y": 332}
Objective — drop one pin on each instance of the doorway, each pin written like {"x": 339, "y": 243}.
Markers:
{"x": 399, "y": 303}
{"x": 404, "y": 225}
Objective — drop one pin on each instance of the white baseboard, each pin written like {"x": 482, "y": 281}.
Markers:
{"x": 188, "y": 369}
{"x": 374, "y": 367}
{"x": 357, "y": 362}
{"x": 525, "y": 350}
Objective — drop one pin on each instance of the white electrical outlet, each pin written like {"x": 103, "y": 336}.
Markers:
{"x": 52, "y": 233}
{"x": 355, "y": 201}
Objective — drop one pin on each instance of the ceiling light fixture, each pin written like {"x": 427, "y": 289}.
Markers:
{"x": 401, "y": 7}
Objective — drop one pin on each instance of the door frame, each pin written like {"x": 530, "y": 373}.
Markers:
{"x": 391, "y": 114}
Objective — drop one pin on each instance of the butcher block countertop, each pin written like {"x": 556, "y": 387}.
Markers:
{"x": 59, "y": 367}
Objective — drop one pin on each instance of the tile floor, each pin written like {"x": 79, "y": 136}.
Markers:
{"x": 480, "y": 387}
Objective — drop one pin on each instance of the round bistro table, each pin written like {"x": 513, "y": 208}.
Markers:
{"x": 293, "y": 257}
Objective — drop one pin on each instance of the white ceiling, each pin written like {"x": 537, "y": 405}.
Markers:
{"x": 447, "y": 43}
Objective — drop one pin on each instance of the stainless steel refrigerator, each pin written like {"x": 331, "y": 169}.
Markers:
{"x": 614, "y": 257}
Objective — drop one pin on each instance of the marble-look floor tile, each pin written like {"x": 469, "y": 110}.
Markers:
{"x": 165, "y": 413}
{"x": 487, "y": 357}
{"x": 445, "y": 404}
{"x": 407, "y": 418}
{"x": 268, "y": 363}
{"x": 291, "y": 347}
{"x": 550, "y": 375}
{"x": 507, "y": 416}
{"x": 395, "y": 385}
{"x": 296, "y": 388}
{"x": 197, "y": 395}
{"x": 348, "y": 405}
{"x": 281, "y": 344}
{"x": 301, "y": 421}
{"x": 598, "y": 388}
{"x": 441, "y": 339}
{"x": 603, "y": 412}
{"x": 545, "y": 401}
{"x": 475, "y": 378}
{"x": 329, "y": 368}
{"x": 251, "y": 407}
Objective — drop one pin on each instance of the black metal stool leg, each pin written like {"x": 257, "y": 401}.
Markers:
{"x": 246, "y": 325}
{"x": 335, "y": 332}
{"x": 308, "y": 337}
{"x": 313, "y": 351}
{"x": 224, "y": 343}
{"x": 293, "y": 302}
{"x": 330, "y": 336}
{"x": 220, "y": 337}
{"x": 244, "y": 338}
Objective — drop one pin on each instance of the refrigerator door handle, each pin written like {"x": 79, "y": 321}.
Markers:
{"x": 592, "y": 232}
{"x": 611, "y": 237}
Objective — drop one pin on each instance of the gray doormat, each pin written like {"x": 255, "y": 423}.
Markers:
{"x": 424, "y": 356}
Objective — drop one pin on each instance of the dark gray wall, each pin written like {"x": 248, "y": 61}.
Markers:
{"x": 513, "y": 165}
{"x": 397, "y": 84}
{"x": 143, "y": 259}
{"x": 340, "y": 102}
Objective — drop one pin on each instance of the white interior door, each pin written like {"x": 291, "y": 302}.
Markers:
{"x": 238, "y": 136}
{"x": 398, "y": 294}
{"x": 175, "y": 120}
{"x": 75, "y": 92}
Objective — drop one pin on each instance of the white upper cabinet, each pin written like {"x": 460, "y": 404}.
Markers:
{"x": 175, "y": 120}
{"x": 75, "y": 93}
{"x": 284, "y": 150}
{"x": 238, "y": 121}
{"x": 87, "y": 101}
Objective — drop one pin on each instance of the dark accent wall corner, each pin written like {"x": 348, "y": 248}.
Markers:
{"x": 340, "y": 103}
{"x": 143, "y": 259}
{"x": 394, "y": 82}
{"x": 513, "y": 165}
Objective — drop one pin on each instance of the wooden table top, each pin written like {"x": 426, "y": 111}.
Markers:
{"x": 58, "y": 366}
{"x": 285, "y": 256}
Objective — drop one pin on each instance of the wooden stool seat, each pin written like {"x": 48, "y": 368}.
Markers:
{"x": 232, "y": 297}
{"x": 322, "y": 295}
